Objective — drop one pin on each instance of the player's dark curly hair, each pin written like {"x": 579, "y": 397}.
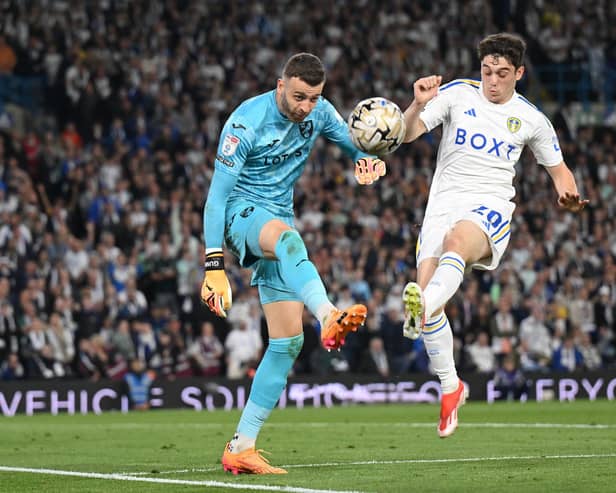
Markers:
{"x": 508, "y": 45}
{"x": 306, "y": 67}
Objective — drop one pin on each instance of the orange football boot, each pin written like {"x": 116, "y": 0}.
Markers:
{"x": 449, "y": 410}
{"x": 339, "y": 323}
{"x": 249, "y": 461}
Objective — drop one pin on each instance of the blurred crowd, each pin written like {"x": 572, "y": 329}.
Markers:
{"x": 101, "y": 195}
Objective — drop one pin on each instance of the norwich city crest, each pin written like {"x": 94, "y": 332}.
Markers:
{"x": 305, "y": 129}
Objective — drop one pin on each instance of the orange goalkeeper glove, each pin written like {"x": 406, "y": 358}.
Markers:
{"x": 369, "y": 170}
{"x": 216, "y": 290}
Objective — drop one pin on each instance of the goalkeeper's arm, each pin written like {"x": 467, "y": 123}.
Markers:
{"x": 216, "y": 290}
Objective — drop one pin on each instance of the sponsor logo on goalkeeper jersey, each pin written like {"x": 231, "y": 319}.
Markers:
{"x": 229, "y": 145}
{"x": 484, "y": 143}
{"x": 225, "y": 161}
{"x": 282, "y": 157}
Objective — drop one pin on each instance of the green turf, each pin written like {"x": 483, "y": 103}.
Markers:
{"x": 391, "y": 448}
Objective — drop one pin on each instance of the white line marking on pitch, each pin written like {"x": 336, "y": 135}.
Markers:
{"x": 581, "y": 426}
{"x": 122, "y": 477}
{"x": 398, "y": 461}
{"x": 460, "y": 459}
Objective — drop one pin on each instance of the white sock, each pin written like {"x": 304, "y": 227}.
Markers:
{"x": 444, "y": 283}
{"x": 240, "y": 442}
{"x": 438, "y": 339}
{"x": 323, "y": 311}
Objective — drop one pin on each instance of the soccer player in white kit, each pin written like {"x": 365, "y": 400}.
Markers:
{"x": 486, "y": 125}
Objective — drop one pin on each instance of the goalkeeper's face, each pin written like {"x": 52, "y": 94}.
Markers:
{"x": 296, "y": 99}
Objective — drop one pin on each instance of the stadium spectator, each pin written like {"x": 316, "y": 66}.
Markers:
{"x": 481, "y": 354}
{"x": 61, "y": 340}
{"x": 206, "y": 352}
{"x": 503, "y": 328}
{"x": 242, "y": 351}
{"x": 535, "y": 339}
{"x": 590, "y": 354}
{"x": 604, "y": 309}
{"x": 137, "y": 384}
{"x": 509, "y": 380}
{"x": 567, "y": 357}
{"x": 374, "y": 359}
{"x": 11, "y": 368}
{"x": 8, "y": 58}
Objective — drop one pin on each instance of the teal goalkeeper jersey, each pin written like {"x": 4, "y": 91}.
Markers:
{"x": 261, "y": 154}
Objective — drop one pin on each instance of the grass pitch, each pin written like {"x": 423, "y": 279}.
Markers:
{"x": 503, "y": 447}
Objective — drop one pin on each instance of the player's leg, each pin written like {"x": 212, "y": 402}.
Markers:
{"x": 464, "y": 243}
{"x": 438, "y": 341}
{"x": 286, "y": 340}
{"x": 478, "y": 238}
{"x": 277, "y": 240}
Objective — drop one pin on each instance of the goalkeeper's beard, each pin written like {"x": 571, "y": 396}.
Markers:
{"x": 285, "y": 109}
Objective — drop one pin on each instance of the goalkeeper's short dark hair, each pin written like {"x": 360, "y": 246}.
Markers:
{"x": 306, "y": 67}
{"x": 507, "y": 45}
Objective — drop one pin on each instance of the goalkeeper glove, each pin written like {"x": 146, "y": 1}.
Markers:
{"x": 369, "y": 170}
{"x": 216, "y": 290}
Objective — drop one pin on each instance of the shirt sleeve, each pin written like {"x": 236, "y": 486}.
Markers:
{"x": 437, "y": 110}
{"x": 215, "y": 206}
{"x": 336, "y": 130}
{"x": 544, "y": 143}
{"x": 236, "y": 141}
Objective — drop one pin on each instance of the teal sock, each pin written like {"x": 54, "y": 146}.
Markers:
{"x": 299, "y": 273}
{"x": 269, "y": 382}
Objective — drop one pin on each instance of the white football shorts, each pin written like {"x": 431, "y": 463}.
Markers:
{"x": 492, "y": 216}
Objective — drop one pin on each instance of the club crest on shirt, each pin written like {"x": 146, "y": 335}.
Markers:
{"x": 229, "y": 145}
{"x": 513, "y": 124}
{"x": 305, "y": 129}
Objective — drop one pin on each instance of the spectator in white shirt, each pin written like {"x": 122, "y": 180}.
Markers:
{"x": 243, "y": 347}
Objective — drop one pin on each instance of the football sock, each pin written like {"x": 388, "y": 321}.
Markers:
{"x": 267, "y": 386}
{"x": 300, "y": 274}
{"x": 241, "y": 442}
{"x": 438, "y": 339}
{"x": 444, "y": 283}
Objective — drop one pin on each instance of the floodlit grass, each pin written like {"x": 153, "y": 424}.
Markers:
{"x": 501, "y": 447}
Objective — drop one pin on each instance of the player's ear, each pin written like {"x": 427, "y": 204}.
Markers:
{"x": 519, "y": 72}
{"x": 280, "y": 86}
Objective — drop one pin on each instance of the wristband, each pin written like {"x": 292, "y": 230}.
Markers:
{"x": 215, "y": 261}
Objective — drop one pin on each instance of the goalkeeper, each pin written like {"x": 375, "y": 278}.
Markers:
{"x": 262, "y": 152}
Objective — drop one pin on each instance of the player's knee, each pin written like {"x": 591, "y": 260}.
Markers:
{"x": 291, "y": 244}
{"x": 454, "y": 243}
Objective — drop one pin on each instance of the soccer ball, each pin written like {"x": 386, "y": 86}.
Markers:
{"x": 377, "y": 126}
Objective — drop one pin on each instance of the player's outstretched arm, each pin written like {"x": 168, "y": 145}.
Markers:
{"x": 564, "y": 183}
{"x": 424, "y": 90}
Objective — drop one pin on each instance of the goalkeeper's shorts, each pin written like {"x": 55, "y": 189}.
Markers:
{"x": 243, "y": 224}
{"x": 491, "y": 216}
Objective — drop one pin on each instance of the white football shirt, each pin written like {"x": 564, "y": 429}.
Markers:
{"x": 481, "y": 143}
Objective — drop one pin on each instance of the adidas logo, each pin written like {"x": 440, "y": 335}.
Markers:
{"x": 470, "y": 112}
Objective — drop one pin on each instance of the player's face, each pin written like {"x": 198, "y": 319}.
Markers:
{"x": 296, "y": 99}
{"x": 499, "y": 77}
